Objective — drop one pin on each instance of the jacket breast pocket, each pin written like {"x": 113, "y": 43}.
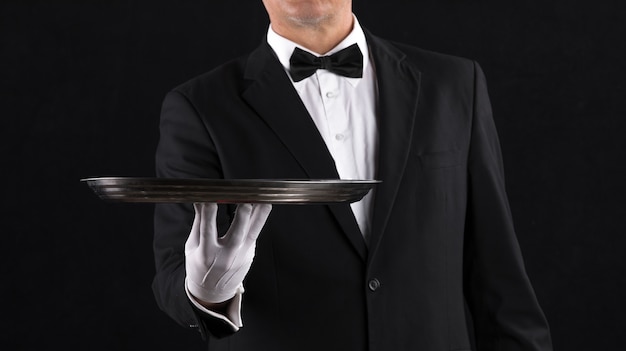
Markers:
{"x": 440, "y": 159}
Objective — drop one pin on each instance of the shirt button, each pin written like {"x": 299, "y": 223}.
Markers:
{"x": 339, "y": 137}
{"x": 330, "y": 94}
{"x": 373, "y": 284}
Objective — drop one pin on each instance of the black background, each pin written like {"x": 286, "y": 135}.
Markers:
{"x": 81, "y": 85}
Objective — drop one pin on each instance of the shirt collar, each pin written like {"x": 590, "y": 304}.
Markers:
{"x": 284, "y": 47}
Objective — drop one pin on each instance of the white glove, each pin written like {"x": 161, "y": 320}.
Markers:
{"x": 216, "y": 266}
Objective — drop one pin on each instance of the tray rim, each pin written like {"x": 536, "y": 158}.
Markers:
{"x": 276, "y": 191}
{"x": 224, "y": 181}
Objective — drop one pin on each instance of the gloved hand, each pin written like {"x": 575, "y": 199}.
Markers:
{"x": 216, "y": 266}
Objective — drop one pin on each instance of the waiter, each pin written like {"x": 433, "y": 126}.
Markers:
{"x": 427, "y": 261}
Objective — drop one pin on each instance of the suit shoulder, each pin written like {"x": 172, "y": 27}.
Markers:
{"x": 227, "y": 76}
{"x": 431, "y": 58}
{"x": 438, "y": 65}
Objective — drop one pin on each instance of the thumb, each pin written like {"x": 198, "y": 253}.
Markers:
{"x": 260, "y": 213}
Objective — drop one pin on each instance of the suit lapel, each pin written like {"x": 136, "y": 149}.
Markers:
{"x": 398, "y": 87}
{"x": 272, "y": 96}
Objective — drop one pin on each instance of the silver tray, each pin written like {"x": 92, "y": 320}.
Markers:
{"x": 229, "y": 191}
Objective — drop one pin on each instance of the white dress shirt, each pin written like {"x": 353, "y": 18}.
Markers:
{"x": 344, "y": 111}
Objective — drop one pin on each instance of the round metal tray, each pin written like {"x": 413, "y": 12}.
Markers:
{"x": 229, "y": 191}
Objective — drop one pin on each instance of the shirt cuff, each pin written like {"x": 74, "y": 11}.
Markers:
{"x": 233, "y": 310}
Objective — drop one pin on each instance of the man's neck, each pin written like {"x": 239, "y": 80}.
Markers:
{"x": 319, "y": 38}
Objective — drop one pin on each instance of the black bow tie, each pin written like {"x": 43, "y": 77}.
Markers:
{"x": 347, "y": 62}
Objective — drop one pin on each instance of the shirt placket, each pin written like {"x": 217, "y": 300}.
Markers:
{"x": 339, "y": 134}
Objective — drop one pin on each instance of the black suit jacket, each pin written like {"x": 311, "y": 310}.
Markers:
{"x": 443, "y": 266}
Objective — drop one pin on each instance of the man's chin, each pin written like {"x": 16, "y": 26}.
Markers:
{"x": 310, "y": 20}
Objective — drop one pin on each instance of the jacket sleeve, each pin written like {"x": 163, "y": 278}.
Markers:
{"x": 185, "y": 150}
{"x": 505, "y": 311}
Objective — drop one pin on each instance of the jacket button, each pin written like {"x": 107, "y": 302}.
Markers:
{"x": 373, "y": 284}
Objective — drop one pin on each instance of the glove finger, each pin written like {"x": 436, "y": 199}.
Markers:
{"x": 260, "y": 213}
{"x": 193, "y": 240}
{"x": 208, "y": 227}
{"x": 239, "y": 226}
